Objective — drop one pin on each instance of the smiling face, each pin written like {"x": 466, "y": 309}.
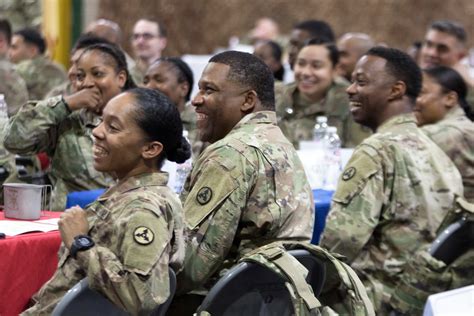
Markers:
{"x": 97, "y": 69}
{"x": 218, "y": 103}
{"x": 433, "y": 103}
{"x": 163, "y": 76}
{"x": 370, "y": 91}
{"x": 440, "y": 48}
{"x": 119, "y": 143}
{"x": 314, "y": 71}
{"x": 147, "y": 42}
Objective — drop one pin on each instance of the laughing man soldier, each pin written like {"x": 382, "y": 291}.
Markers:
{"x": 248, "y": 188}
{"x": 398, "y": 185}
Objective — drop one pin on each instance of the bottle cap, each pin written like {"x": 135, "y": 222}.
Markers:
{"x": 321, "y": 119}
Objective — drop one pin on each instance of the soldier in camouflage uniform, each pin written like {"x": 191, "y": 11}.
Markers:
{"x": 441, "y": 109}
{"x": 62, "y": 126}
{"x": 398, "y": 185}
{"x": 316, "y": 92}
{"x": 248, "y": 188}
{"x": 137, "y": 225}
{"x": 40, "y": 74}
{"x": 173, "y": 77}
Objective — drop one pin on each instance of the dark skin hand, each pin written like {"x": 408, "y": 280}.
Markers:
{"x": 89, "y": 98}
{"x": 73, "y": 222}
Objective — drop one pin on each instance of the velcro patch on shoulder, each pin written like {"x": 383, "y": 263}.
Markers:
{"x": 213, "y": 186}
{"x": 359, "y": 169}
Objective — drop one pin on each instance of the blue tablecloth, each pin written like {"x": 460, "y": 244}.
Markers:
{"x": 82, "y": 198}
{"x": 322, "y": 203}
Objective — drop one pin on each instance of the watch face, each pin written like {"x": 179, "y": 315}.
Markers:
{"x": 83, "y": 241}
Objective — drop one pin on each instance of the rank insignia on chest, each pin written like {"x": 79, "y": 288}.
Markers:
{"x": 143, "y": 235}
{"x": 204, "y": 195}
{"x": 349, "y": 173}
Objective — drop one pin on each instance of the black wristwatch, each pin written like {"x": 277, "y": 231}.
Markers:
{"x": 81, "y": 243}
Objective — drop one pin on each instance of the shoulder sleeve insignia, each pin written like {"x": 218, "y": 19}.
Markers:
{"x": 349, "y": 173}
{"x": 143, "y": 235}
{"x": 204, "y": 195}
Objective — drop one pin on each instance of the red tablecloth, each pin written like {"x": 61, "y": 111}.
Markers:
{"x": 26, "y": 262}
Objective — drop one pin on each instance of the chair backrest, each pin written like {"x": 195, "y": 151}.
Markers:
{"x": 253, "y": 289}
{"x": 454, "y": 241}
{"x": 82, "y": 300}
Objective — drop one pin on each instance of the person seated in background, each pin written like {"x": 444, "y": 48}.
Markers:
{"x": 248, "y": 188}
{"x": 398, "y": 185}
{"x": 271, "y": 53}
{"x": 70, "y": 86}
{"x": 446, "y": 117}
{"x": 173, "y": 77}
{"x": 148, "y": 41}
{"x": 303, "y": 32}
{"x": 62, "y": 126}
{"x": 351, "y": 47}
{"x": 40, "y": 74}
{"x": 315, "y": 92}
{"x": 124, "y": 242}
{"x": 12, "y": 85}
{"x": 445, "y": 45}
{"x": 112, "y": 33}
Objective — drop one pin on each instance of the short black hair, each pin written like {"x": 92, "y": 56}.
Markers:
{"x": 185, "y": 74}
{"x": 450, "y": 27}
{"x": 32, "y": 36}
{"x": 450, "y": 80}
{"x": 117, "y": 56}
{"x": 250, "y": 71}
{"x": 159, "y": 118}
{"x": 330, "y": 46}
{"x": 86, "y": 40}
{"x": 317, "y": 29}
{"x": 402, "y": 67}
{"x": 6, "y": 29}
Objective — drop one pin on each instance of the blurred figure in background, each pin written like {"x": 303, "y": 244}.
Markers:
{"x": 351, "y": 47}
{"x": 40, "y": 74}
{"x": 445, "y": 45}
{"x": 112, "y": 33}
{"x": 12, "y": 85}
{"x": 271, "y": 54}
{"x": 148, "y": 42}
{"x": 446, "y": 117}
{"x": 315, "y": 92}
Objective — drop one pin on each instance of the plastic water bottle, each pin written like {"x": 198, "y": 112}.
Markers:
{"x": 320, "y": 130}
{"x": 333, "y": 158}
{"x": 182, "y": 170}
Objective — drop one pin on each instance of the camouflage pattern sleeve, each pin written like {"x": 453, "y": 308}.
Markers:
{"x": 13, "y": 87}
{"x": 356, "y": 206}
{"x": 35, "y": 127}
{"x": 212, "y": 213}
{"x": 133, "y": 279}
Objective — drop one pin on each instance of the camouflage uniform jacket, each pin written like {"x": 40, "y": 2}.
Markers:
{"x": 41, "y": 75}
{"x": 63, "y": 89}
{"x": 244, "y": 191}
{"x": 49, "y": 126}
{"x": 12, "y": 86}
{"x": 137, "y": 228}
{"x": 297, "y": 116}
{"x": 390, "y": 200}
{"x": 455, "y": 136}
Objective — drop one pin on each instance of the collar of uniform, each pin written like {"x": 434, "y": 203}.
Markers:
{"x": 405, "y": 118}
{"x": 134, "y": 182}
{"x": 454, "y": 113}
{"x": 266, "y": 117}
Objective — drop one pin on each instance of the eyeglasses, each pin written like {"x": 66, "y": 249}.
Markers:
{"x": 145, "y": 36}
